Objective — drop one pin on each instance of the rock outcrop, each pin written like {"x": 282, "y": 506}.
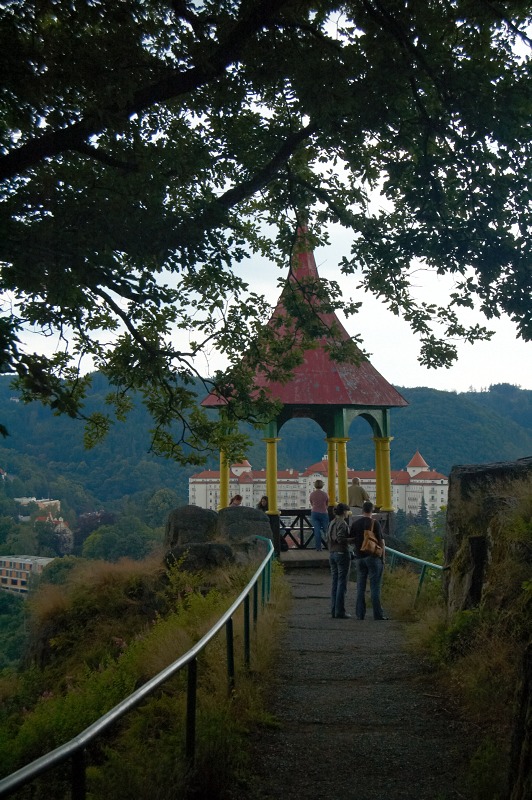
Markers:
{"x": 488, "y": 556}
{"x": 480, "y": 498}
{"x": 188, "y": 524}
{"x": 201, "y": 539}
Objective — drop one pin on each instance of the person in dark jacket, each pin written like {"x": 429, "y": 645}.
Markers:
{"x": 339, "y": 560}
{"x": 371, "y": 566}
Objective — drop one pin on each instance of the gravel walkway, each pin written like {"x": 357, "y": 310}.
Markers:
{"x": 358, "y": 718}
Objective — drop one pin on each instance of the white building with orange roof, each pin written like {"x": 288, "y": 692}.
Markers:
{"x": 204, "y": 487}
{"x": 409, "y": 486}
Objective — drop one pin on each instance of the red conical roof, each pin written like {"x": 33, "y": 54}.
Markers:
{"x": 319, "y": 379}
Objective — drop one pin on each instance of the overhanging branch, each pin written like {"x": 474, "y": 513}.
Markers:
{"x": 174, "y": 84}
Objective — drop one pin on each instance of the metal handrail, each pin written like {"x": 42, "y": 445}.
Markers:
{"x": 395, "y": 554}
{"x": 75, "y": 748}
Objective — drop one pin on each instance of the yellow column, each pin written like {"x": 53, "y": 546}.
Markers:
{"x": 378, "y": 472}
{"x": 271, "y": 474}
{"x": 384, "y": 473}
{"x": 224, "y": 481}
{"x": 331, "y": 470}
{"x": 343, "y": 494}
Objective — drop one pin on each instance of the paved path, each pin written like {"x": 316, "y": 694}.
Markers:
{"x": 358, "y": 719}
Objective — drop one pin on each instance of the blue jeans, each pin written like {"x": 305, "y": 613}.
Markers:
{"x": 340, "y": 564}
{"x": 373, "y": 567}
{"x": 320, "y": 522}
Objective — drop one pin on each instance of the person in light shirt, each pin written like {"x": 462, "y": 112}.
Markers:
{"x": 319, "y": 514}
{"x": 357, "y": 496}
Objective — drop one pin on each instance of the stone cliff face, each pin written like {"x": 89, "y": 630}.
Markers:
{"x": 488, "y": 559}
{"x": 481, "y": 499}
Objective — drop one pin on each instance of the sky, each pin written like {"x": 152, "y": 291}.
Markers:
{"x": 391, "y": 344}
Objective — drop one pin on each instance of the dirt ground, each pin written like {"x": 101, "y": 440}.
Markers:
{"x": 358, "y": 716}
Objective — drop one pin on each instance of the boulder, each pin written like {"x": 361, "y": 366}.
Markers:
{"x": 198, "y": 556}
{"x": 202, "y": 539}
{"x": 240, "y": 523}
{"x": 190, "y": 524}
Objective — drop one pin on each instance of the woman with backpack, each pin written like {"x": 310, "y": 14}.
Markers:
{"x": 339, "y": 560}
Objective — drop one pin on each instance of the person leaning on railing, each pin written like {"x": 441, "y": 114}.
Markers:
{"x": 319, "y": 514}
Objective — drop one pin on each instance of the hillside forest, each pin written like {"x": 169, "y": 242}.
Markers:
{"x": 122, "y": 486}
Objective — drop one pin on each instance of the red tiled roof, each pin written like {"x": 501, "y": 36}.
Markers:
{"x": 400, "y": 478}
{"x": 417, "y": 460}
{"x": 320, "y": 466}
{"x": 429, "y": 475}
{"x": 363, "y": 474}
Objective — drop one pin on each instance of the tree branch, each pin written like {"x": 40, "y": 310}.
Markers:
{"x": 175, "y": 84}
{"x": 212, "y": 215}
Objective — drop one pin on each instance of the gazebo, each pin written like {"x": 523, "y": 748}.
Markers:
{"x": 331, "y": 392}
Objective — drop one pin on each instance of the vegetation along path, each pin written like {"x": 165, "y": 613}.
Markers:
{"x": 358, "y": 716}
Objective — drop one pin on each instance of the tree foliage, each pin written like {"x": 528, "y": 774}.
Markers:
{"x": 127, "y": 538}
{"x": 13, "y": 633}
{"x": 147, "y": 148}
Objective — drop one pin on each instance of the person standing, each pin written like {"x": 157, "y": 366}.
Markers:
{"x": 319, "y": 515}
{"x": 262, "y": 505}
{"x": 357, "y": 496}
{"x": 371, "y": 566}
{"x": 339, "y": 560}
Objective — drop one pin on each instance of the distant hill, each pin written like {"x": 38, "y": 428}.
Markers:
{"x": 466, "y": 428}
{"x": 45, "y": 457}
{"x": 45, "y": 452}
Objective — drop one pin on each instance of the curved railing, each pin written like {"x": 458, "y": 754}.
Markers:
{"x": 76, "y": 747}
{"x": 394, "y": 555}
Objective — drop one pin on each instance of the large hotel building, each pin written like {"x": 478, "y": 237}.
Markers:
{"x": 409, "y": 486}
